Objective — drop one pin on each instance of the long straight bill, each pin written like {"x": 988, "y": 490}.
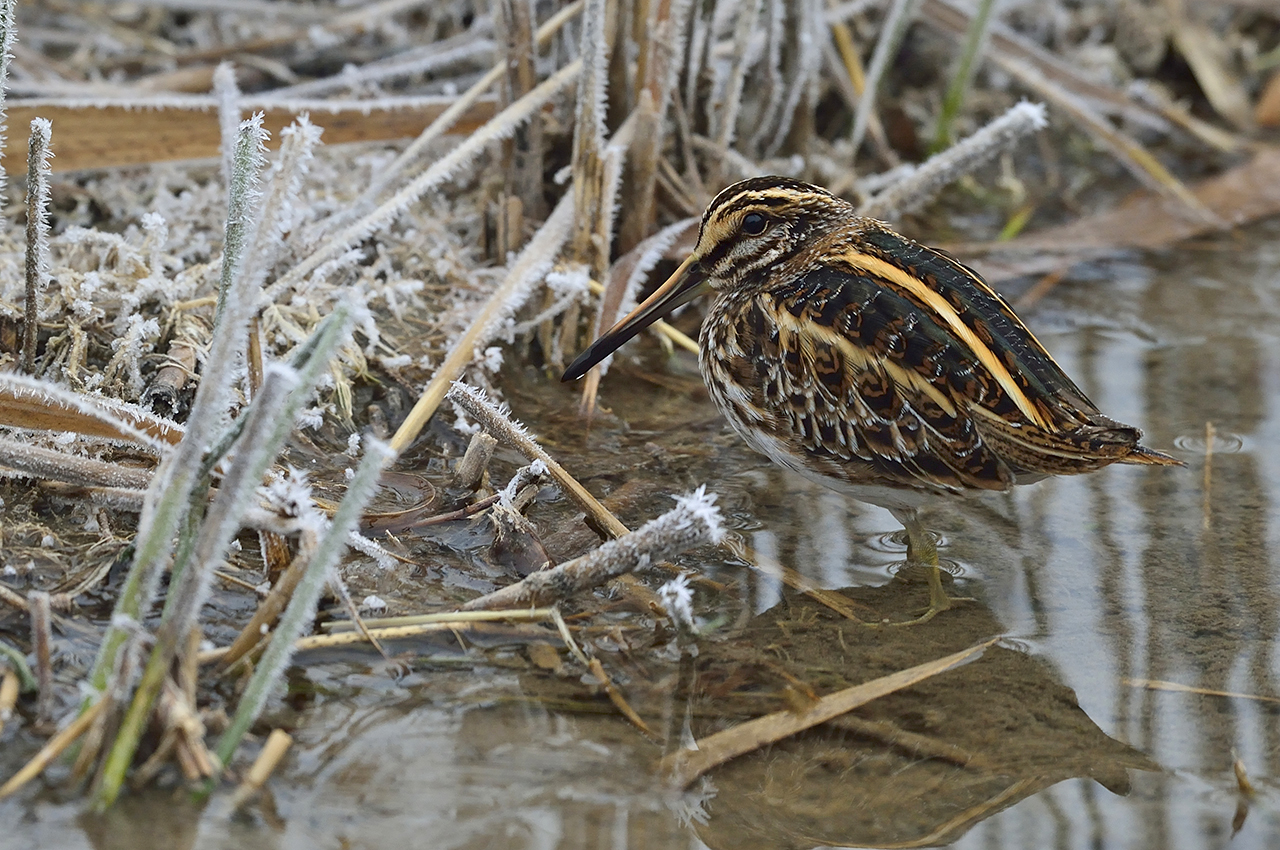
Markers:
{"x": 682, "y": 287}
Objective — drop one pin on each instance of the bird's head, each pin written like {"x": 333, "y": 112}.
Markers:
{"x": 749, "y": 230}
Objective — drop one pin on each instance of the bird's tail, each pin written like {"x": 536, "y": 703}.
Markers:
{"x": 1150, "y": 457}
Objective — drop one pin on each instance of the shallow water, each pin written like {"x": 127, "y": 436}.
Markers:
{"x": 1102, "y": 585}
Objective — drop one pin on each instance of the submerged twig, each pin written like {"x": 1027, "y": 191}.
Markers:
{"x": 53, "y": 748}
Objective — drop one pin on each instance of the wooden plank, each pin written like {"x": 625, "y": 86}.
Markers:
{"x": 101, "y": 137}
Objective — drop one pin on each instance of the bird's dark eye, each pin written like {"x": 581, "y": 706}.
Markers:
{"x": 753, "y": 224}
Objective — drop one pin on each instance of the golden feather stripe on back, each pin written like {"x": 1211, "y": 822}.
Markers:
{"x": 943, "y": 310}
{"x": 807, "y": 331}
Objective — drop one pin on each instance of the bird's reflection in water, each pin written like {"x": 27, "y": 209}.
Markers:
{"x": 915, "y": 768}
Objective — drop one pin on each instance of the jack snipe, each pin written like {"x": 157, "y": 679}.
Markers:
{"x": 871, "y": 364}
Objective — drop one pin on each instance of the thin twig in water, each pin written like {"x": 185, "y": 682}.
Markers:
{"x": 523, "y": 615}
{"x": 1176, "y": 687}
{"x": 597, "y": 670}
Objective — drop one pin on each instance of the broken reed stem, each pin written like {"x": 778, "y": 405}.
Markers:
{"x": 937, "y": 172}
{"x": 663, "y": 41}
{"x": 15, "y": 600}
{"x": 511, "y": 433}
{"x": 530, "y": 265}
{"x": 475, "y": 462}
{"x": 41, "y": 638}
{"x": 588, "y": 140}
{"x": 34, "y": 404}
{"x": 37, "y": 264}
{"x": 300, "y": 612}
{"x": 269, "y": 609}
{"x": 694, "y": 521}
{"x": 278, "y": 743}
{"x": 523, "y": 153}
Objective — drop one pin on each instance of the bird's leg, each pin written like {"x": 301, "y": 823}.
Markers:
{"x": 923, "y": 552}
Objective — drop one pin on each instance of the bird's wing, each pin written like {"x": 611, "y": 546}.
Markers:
{"x": 859, "y": 384}
{"x": 1042, "y": 423}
